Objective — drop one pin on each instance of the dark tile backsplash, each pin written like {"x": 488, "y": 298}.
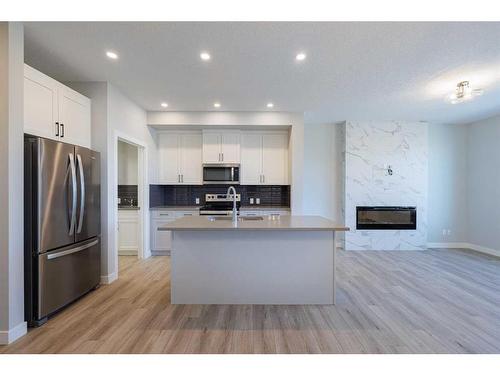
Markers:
{"x": 126, "y": 192}
{"x": 185, "y": 195}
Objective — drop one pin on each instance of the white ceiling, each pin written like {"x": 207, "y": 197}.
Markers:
{"x": 352, "y": 71}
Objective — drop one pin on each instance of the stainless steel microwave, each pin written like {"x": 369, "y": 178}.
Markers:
{"x": 221, "y": 174}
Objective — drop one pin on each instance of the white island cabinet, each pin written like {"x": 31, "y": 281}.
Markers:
{"x": 290, "y": 260}
{"x": 55, "y": 111}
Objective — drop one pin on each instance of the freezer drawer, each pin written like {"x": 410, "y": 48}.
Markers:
{"x": 66, "y": 274}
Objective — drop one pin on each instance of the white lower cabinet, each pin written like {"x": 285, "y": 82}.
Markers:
{"x": 161, "y": 240}
{"x": 128, "y": 232}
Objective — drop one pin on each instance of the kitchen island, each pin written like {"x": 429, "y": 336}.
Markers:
{"x": 263, "y": 260}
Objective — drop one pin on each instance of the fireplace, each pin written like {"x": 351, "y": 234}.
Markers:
{"x": 386, "y": 217}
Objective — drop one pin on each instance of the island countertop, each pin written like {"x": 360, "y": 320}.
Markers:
{"x": 281, "y": 223}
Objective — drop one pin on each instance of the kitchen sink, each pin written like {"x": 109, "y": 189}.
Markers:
{"x": 240, "y": 218}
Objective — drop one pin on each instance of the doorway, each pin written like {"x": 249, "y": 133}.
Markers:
{"x": 132, "y": 199}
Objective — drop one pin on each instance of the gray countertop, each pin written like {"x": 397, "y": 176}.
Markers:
{"x": 242, "y": 208}
{"x": 175, "y": 208}
{"x": 305, "y": 223}
{"x": 264, "y": 208}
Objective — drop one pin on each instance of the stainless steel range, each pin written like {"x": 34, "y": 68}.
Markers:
{"x": 220, "y": 204}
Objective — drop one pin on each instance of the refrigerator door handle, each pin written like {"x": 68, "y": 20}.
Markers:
{"x": 82, "y": 192}
{"x": 73, "y": 200}
{"x": 72, "y": 251}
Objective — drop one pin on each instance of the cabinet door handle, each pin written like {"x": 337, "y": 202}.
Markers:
{"x": 264, "y": 178}
{"x": 62, "y": 130}
{"x": 222, "y": 156}
{"x": 57, "y": 129}
{"x": 182, "y": 178}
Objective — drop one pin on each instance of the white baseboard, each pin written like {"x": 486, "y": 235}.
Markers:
{"x": 127, "y": 252}
{"x": 447, "y": 245}
{"x": 8, "y": 337}
{"x": 160, "y": 253}
{"x": 463, "y": 245}
{"x": 108, "y": 279}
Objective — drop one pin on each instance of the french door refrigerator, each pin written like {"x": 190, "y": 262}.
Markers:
{"x": 62, "y": 228}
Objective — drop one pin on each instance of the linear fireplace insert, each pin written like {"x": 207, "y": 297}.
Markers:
{"x": 386, "y": 217}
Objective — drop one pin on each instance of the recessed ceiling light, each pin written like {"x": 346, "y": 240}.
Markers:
{"x": 301, "y": 56}
{"x": 270, "y": 105}
{"x": 205, "y": 56}
{"x": 112, "y": 55}
{"x": 164, "y": 105}
{"x": 217, "y": 105}
{"x": 463, "y": 93}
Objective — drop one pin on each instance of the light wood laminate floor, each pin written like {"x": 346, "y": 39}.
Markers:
{"x": 435, "y": 301}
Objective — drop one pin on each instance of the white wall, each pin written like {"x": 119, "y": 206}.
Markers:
{"x": 127, "y": 164}
{"x": 323, "y": 146}
{"x": 113, "y": 114}
{"x": 12, "y": 324}
{"x": 483, "y": 183}
{"x": 447, "y": 183}
{"x": 243, "y": 119}
{"x": 370, "y": 147}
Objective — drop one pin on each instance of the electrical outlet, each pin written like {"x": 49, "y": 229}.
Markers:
{"x": 448, "y": 232}
{"x": 444, "y": 232}
{"x": 197, "y": 200}
{"x": 257, "y": 200}
{"x": 119, "y": 201}
{"x": 251, "y": 200}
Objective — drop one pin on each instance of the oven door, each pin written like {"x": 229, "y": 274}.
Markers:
{"x": 221, "y": 174}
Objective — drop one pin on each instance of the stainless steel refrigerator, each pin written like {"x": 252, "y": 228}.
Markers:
{"x": 61, "y": 225}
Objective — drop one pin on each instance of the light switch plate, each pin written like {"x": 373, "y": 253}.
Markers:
{"x": 257, "y": 200}
{"x": 251, "y": 200}
{"x": 197, "y": 200}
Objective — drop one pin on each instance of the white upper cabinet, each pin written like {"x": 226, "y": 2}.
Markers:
{"x": 264, "y": 158}
{"x": 74, "y": 116}
{"x": 55, "y": 111}
{"x": 180, "y": 159}
{"x": 211, "y": 148}
{"x": 40, "y": 104}
{"x": 275, "y": 159}
{"x": 191, "y": 160}
{"x": 221, "y": 147}
{"x": 251, "y": 159}
{"x": 169, "y": 158}
{"x": 230, "y": 147}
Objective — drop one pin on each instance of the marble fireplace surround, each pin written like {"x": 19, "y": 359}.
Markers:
{"x": 370, "y": 148}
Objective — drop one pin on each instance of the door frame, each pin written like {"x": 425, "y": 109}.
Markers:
{"x": 142, "y": 195}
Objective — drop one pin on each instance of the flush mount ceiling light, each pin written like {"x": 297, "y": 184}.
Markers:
{"x": 205, "y": 56}
{"x": 301, "y": 56}
{"x": 463, "y": 93}
{"x": 164, "y": 105}
{"x": 112, "y": 55}
{"x": 270, "y": 105}
{"x": 217, "y": 105}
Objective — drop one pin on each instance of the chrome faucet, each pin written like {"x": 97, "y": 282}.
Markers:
{"x": 235, "y": 212}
